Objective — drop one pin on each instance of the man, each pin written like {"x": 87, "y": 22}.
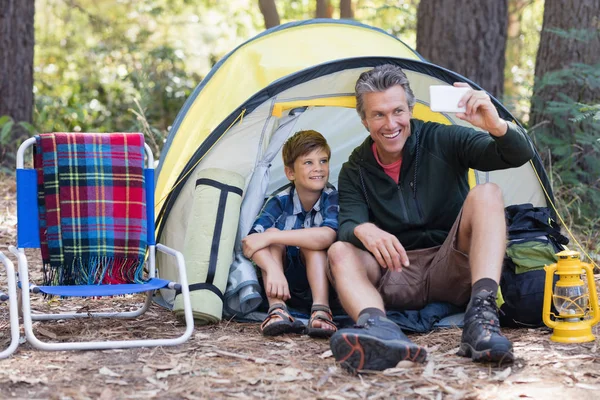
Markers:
{"x": 410, "y": 230}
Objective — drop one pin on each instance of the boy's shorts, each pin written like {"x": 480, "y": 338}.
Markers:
{"x": 439, "y": 273}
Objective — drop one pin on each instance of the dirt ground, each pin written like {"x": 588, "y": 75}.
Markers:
{"x": 232, "y": 360}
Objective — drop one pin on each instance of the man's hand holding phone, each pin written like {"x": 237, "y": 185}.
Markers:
{"x": 473, "y": 106}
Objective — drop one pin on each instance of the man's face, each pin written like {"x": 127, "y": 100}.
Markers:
{"x": 387, "y": 118}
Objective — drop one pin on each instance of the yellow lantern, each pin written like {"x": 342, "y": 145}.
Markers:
{"x": 575, "y": 302}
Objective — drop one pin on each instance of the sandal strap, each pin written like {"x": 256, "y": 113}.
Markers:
{"x": 283, "y": 314}
{"x": 276, "y": 306}
{"x": 321, "y": 307}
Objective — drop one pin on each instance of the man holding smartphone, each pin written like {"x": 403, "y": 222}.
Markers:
{"x": 410, "y": 230}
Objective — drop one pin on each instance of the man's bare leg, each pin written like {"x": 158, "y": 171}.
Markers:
{"x": 482, "y": 232}
{"x": 378, "y": 343}
{"x": 482, "y": 235}
{"x": 355, "y": 271}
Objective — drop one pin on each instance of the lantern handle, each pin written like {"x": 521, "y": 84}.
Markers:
{"x": 550, "y": 270}
{"x": 592, "y": 292}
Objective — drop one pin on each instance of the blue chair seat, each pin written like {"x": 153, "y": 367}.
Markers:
{"x": 104, "y": 290}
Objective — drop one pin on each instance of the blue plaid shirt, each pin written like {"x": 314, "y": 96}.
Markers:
{"x": 284, "y": 212}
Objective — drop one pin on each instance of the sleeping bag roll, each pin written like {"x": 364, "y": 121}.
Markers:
{"x": 209, "y": 241}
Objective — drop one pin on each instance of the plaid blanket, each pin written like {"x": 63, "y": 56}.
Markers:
{"x": 92, "y": 208}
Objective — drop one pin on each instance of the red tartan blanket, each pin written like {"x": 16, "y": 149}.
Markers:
{"x": 92, "y": 208}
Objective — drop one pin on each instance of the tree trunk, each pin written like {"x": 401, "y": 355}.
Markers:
{"x": 567, "y": 74}
{"x": 346, "y": 11}
{"x": 467, "y": 37}
{"x": 324, "y": 9}
{"x": 557, "y": 52}
{"x": 269, "y": 12}
{"x": 16, "y": 59}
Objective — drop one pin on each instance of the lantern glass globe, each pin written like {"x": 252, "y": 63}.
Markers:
{"x": 571, "y": 300}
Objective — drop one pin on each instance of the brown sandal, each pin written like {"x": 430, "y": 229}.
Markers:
{"x": 328, "y": 320}
{"x": 287, "y": 324}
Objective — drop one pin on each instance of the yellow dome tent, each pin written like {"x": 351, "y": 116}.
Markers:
{"x": 295, "y": 76}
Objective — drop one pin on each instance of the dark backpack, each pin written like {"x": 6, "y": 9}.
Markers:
{"x": 533, "y": 240}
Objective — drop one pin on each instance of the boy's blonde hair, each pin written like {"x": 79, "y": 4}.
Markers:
{"x": 302, "y": 143}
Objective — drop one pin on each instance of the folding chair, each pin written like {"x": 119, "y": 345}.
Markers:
{"x": 11, "y": 297}
{"x": 91, "y": 191}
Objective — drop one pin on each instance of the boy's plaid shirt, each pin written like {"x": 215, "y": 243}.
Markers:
{"x": 284, "y": 212}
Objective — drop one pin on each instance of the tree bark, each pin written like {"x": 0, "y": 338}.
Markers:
{"x": 557, "y": 52}
{"x": 16, "y": 59}
{"x": 346, "y": 11}
{"x": 324, "y": 9}
{"x": 467, "y": 37}
{"x": 268, "y": 9}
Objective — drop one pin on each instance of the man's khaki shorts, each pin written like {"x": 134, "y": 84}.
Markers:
{"x": 438, "y": 273}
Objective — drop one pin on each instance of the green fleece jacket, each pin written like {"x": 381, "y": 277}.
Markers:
{"x": 422, "y": 207}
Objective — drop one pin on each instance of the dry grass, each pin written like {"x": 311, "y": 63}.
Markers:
{"x": 232, "y": 360}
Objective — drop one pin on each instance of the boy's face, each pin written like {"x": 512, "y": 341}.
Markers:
{"x": 310, "y": 172}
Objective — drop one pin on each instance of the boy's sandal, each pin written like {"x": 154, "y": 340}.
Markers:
{"x": 316, "y": 314}
{"x": 286, "y": 324}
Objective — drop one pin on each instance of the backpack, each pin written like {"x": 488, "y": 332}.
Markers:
{"x": 534, "y": 238}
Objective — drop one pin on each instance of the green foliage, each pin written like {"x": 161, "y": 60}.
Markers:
{"x": 94, "y": 61}
{"x": 521, "y": 50}
{"x": 11, "y": 135}
{"x": 568, "y": 141}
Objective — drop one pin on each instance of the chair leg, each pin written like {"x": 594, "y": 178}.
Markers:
{"x": 72, "y": 315}
{"x": 112, "y": 344}
{"x": 13, "y": 307}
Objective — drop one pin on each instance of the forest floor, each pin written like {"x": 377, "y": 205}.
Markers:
{"x": 232, "y": 360}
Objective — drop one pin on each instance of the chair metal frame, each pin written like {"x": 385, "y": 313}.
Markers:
{"x": 12, "y": 305}
{"x": 29, "y": 316}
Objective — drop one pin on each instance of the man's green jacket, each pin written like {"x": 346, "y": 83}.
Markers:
{"x": 421, "y": 208}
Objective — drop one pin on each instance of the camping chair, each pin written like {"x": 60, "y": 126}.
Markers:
{"x": 97, "y": 224}
{"x": 11, "y": 297}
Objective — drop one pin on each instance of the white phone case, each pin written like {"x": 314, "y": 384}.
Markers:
{"x": 445, "y": 98}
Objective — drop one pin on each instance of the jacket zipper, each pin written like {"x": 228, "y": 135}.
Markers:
{"x": 403, "y": 203}
{"x": 419, "y": 210}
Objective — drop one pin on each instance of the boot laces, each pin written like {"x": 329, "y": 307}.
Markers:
{"x": 486, "y": 313}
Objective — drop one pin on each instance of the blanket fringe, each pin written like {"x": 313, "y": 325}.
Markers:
{"x": 94, "y": 271}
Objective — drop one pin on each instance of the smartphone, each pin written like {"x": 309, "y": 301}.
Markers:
{"x": 444, "y": 98}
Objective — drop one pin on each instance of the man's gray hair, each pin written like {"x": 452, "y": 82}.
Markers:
{"x": 379, "y": 79}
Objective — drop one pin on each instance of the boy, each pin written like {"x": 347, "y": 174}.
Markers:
{"x": 291, "y": 235}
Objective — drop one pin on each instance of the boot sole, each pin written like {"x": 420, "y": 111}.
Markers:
{"x": 356, "y": 352}
{"x": 498, "y": 354}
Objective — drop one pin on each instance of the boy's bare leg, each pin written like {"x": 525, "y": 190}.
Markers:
{"x": 355, "y": 273}
{"x": 316, "y": 265}
{"x": 271, "y": 261}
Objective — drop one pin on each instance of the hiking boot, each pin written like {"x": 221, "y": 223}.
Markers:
{"x": 374, "y": 344}
{"x": 481, "y": 337}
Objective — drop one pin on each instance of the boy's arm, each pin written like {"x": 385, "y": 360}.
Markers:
{"x": 319, "y": 238}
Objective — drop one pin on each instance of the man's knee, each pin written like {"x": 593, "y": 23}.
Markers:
{"x": 337, "y": 255}
{"x": 488, "y": 195}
